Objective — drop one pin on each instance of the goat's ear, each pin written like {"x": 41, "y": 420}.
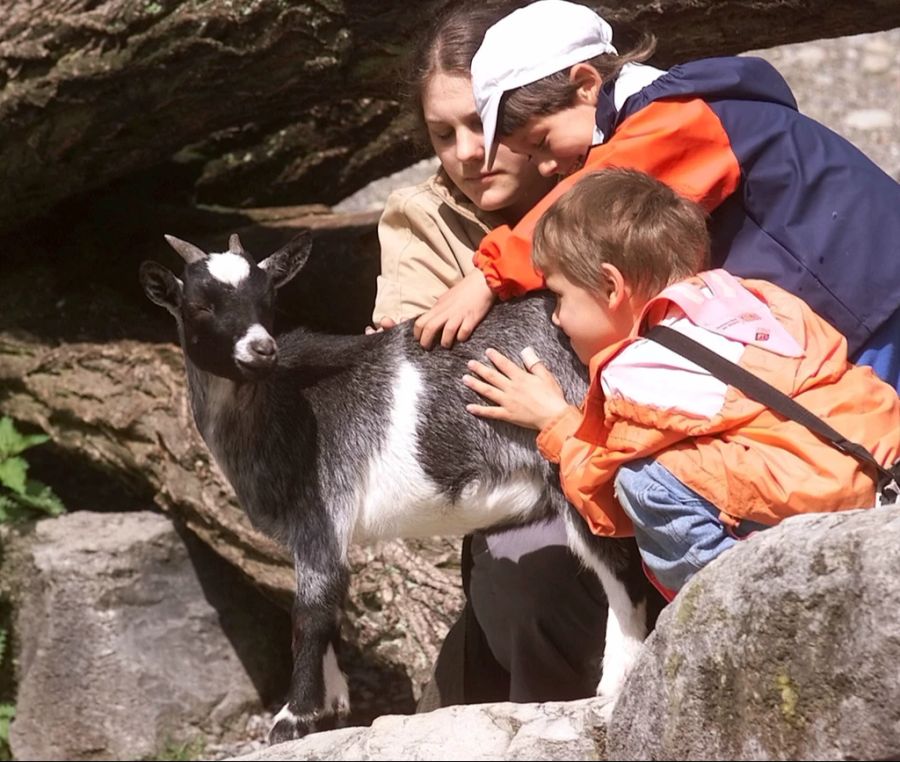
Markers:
{"x": 285, "y": 263}
{"x": 189, "y": 253}
{"x": 161, "y": 286}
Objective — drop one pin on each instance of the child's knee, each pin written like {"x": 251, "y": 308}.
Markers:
{"x": 630, "y": 486}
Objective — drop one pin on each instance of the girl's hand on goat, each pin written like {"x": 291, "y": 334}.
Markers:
{"x": 529, "y": 398}
{"x": 382, "y": 326}
{"x": 457, "y": 313}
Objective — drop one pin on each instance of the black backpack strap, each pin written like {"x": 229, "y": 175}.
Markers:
{"x": 757, "y": 389}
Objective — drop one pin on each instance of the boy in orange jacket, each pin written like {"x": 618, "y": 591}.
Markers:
{"x": 662, "y": 449}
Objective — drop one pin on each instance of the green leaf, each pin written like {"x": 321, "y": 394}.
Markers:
{"x": 19, "y": 495}
{"x": 7, "y": 713}
{"x": 39, "y": 497}
{"x": 14, "y": 474}
{"x": 12, "y": 442}
{"x": 10, "y": 510}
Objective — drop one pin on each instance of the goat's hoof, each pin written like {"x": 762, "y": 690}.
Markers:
{"x": 605, "y": 706}
{"x": 288, "y": 726}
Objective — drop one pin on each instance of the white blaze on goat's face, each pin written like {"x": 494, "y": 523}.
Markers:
{"x": 242, "y": 351}
{"x": 228, "y": 268}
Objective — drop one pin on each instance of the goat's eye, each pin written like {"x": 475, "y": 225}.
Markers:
{"x": 200, "y": 310}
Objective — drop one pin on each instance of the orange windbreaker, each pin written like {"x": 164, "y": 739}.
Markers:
{"x": 677, "y": 141}
{"x": 746, "y": 460}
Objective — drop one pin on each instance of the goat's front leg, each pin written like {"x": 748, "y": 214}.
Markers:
{"x": 318, "y": 694}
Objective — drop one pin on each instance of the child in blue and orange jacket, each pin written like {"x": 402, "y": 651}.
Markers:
{"x": 695, "y": 463}
{"x": 790, "y": 201}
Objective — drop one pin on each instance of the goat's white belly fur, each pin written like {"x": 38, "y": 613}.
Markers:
{"x": 397, "y": 499}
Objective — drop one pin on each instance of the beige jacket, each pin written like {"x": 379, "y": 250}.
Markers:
{"x": 428, "y": 234}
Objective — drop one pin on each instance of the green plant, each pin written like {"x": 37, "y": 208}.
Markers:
{"x": 7, "y": 711}
{"x": 182, "y": 752}
{"x": 21, "y": 497}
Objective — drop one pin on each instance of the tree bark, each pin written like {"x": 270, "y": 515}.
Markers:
{"x": 276, "y": 101}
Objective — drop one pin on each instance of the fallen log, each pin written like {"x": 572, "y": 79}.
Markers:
{"x": 276, "y": 101}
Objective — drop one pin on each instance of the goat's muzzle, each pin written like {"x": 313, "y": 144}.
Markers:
{"x": 257, "y": 357}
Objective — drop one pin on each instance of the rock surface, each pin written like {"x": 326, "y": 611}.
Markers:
{"x": 783, "y": 648}
{"x": 555, "y": 730}
{"x": 131, "y": 638}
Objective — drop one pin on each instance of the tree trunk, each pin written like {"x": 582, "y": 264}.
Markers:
{"x": 276, "y": 101}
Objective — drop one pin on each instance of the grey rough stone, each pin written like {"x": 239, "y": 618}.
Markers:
{"x": 554, "y": 730}
{"x": 785, "y": 647}
{"x": 131, "y": 639}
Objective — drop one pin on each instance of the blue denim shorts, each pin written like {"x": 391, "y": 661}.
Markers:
{"x": 678, "y": 531}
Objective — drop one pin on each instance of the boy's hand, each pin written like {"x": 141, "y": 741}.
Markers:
{"x": 530, "y": 398}
{"x": 457, "y": 313}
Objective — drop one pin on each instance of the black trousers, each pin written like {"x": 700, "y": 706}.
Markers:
{"x": 533, "y": 628}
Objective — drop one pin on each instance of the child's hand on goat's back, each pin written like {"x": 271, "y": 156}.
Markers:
{"x": 530, "y": 397}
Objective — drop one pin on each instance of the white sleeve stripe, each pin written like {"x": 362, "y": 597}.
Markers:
{"x": 648, "y": 373}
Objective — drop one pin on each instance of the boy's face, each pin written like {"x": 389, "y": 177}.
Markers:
{"x": 586, "y": 317}
{"x": 557, "y": 143}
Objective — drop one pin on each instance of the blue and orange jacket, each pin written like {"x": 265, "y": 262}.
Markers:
{"x": 646, "y": 401}
{"x": 791, "y": 202}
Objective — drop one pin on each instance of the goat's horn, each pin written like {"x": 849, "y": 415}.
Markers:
{"x": 189, "y": 253}
{"x": 234, "y": 244}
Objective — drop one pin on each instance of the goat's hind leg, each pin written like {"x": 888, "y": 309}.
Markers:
{"x": 617, "y": 563}
{"x": 319, "y": 697}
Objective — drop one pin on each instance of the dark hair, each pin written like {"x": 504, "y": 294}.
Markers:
{"x": 624, "y": 218}
{"x": 449, "y": 45}
{"x": 556, "y": 92}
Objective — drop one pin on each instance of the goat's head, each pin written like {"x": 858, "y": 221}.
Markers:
{"x": 224, "y": 303}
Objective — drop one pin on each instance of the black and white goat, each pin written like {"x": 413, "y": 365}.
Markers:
{"x": 329, "y": 440}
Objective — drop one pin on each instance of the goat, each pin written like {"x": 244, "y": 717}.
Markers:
{"x": 329, "y": 439}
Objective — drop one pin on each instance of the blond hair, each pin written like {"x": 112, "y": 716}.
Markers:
{"x": 627, "y": 219}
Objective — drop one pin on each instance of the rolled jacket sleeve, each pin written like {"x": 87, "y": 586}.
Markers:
{"x": 551, "y": 439}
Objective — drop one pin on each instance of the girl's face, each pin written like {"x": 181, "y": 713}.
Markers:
{"x": 512, "y": 186}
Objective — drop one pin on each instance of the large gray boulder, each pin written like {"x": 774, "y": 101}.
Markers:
{"x": 130, "y": 640}
{"x": 785, "y": 647}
